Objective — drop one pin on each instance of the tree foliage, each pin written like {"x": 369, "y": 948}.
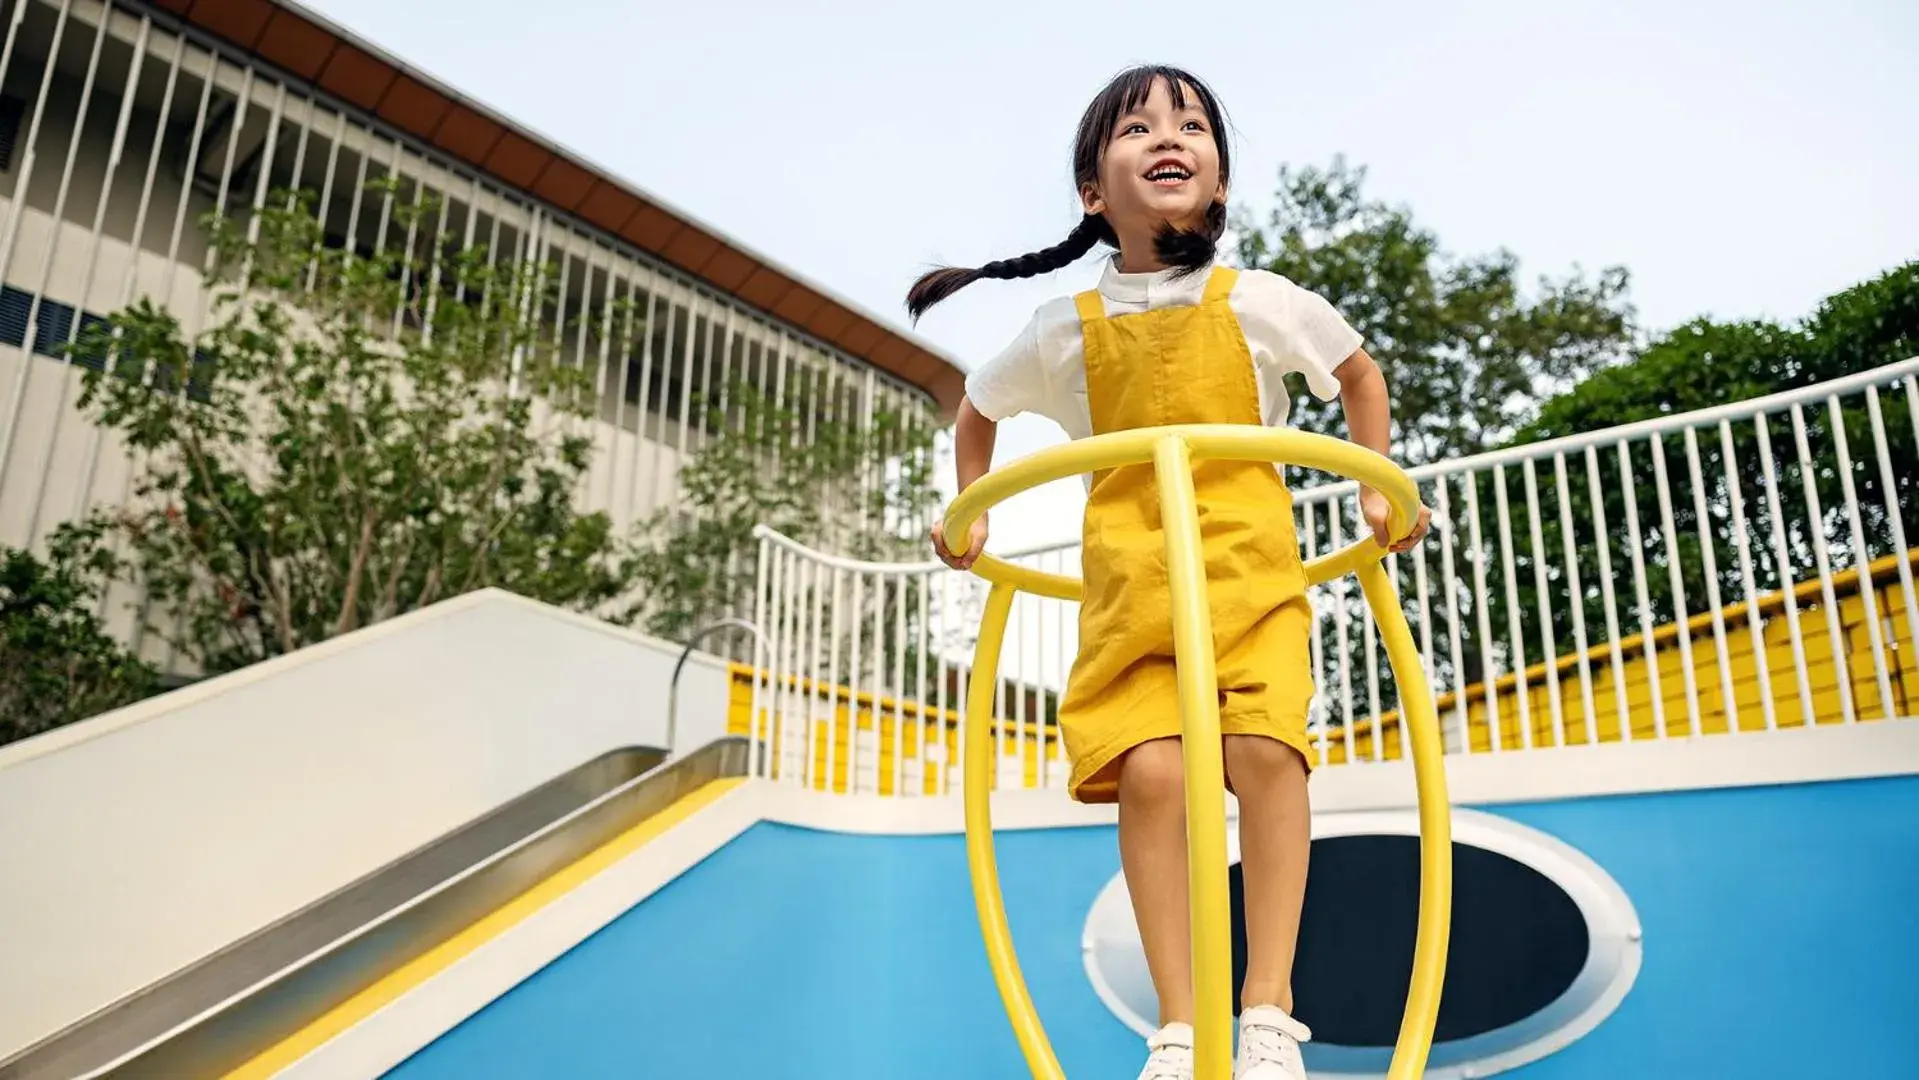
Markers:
{"x": 353, "y": 436}
{"x": 844, "y": 486}
{"x": 57, "y": 662}
{"x": 1467, "y": 352}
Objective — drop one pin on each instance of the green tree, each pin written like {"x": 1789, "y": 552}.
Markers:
{"x": 57, "y": 663}
{"x": 1467, "y": 353}
{"x": 354, "y": 435}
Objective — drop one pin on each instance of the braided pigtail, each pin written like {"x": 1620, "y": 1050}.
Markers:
{"x": 937, "y": 285}
{"x": 1188, "y": 251}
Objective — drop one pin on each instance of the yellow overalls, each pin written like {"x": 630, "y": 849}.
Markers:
{"x": 1181, "y": 365}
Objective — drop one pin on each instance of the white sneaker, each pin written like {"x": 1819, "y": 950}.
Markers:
{"x": 1269, "y": 1045}
{"x": 1171, "y": 1056}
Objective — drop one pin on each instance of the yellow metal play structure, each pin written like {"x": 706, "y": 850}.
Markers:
{"x": 1172, "y": 451}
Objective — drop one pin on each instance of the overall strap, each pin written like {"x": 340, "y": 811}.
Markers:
{"x": 1090, "y": 305}
{"x": 1220, "y": 284}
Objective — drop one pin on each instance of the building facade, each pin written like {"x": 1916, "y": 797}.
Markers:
{"x": 121, "y": 123}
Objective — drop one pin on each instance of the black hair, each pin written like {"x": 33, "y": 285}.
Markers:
{"x": 1183, "y": 249}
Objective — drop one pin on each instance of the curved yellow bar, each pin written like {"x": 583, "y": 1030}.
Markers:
{"x": 1435, "y": 826}
{"x": 1241, "y": 442}
{"x": 977, "y": 783}
{"x": 1172, "y": 451}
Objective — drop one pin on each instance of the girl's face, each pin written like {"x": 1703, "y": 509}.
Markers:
{"x": 1160, "y": 166}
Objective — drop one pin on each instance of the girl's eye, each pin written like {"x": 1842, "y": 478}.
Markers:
{"x": 1194, "y": 125}
{"x": 1134, "y": 128}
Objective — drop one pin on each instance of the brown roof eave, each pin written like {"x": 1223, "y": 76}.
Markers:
{"x": 308, "y": 46}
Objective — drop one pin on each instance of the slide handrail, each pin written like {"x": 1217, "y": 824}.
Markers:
{"x": 1172, "y": 451}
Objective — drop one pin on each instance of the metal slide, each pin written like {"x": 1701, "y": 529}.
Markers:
{"x": 225, "y": 1009}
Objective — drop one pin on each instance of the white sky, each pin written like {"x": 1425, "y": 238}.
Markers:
{"x": 1741, "y": 159}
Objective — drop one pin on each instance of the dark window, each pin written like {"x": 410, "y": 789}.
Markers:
{"x": 15, "y": 306}
{"x": 1518, "y": 941}
{"x": 11, "y": 109}
{"x": 83, "y": 355}
{"x": 53, "y": 328}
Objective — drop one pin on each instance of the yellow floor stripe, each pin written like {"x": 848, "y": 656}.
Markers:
{"x": 430, "y": 963}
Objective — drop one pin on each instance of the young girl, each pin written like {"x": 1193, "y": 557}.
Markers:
{"x": 1170, "y": 338}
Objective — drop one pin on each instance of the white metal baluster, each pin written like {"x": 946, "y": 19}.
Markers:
{"x": 1371, "y": 645}
{"x": 680, "y": 311}
{"x": 1318, "y": 714}
{"x": 1861, "y": 557}
{"x": 1421, "y": 587}
{"x": 1339, "y": 634}
{"x": 438, "y": 248}
{"x": 776, "y": 742}
{"x": 1369, "y": 642}
{"x": 1042, "y": 682}
{"x": 1602, "y": 537}
{"x": 1642, "y": 592}
{"x": 760, "y": 660}
{"x": 325, "y": 204}
{"x": 1544, "y": 602}
{"x": 855, "y": 672}
{"x": 759, "y": 753}
{"x": 833, "y": 674}
{"x": 923, "y": 638}
{"x": 1022, "y": 685}
{"x": 92, "y": 261}
{"x": 656, "y": 302}
{"x": 830, "y": 691}
{"x": 1912, "y": 403}
{"x": 18, "y": 16}
{"x": 1569, "y": 551}
{"x": 1521, "y": 691}
{"x": 787, "y": 573}
{"x": 1788, "y": 587}
{"x": 1062, "y": 669}
{"x": 1713, "y": 599}
{"x": 798, "y": 725}
{"x": 609, "y": 460}
{"x": 1755, "y": 621}
{"x": 1455, "y": 632}
{"x": 1893, "y": 517}
{"x": 45, "y": 276}
{"x": 623, "y": 358}
{"x": 1682, "y": 617}
{"x": 945, "y": 625}
{"x": 1816, "y": 531}
{"x": 878, "y": 685}
{"x": 1482, "y": 609}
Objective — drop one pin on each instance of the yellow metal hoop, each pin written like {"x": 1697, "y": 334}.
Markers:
{"x": 1172, "y": 451}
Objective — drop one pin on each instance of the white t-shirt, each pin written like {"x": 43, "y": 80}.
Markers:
{"x": 1287, "y": 328}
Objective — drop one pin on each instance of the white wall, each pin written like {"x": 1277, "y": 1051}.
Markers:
{"x": 141, "y": 840}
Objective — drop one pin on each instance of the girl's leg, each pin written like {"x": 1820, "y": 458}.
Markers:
{"x": 1152, "y": 853}
{"x": 1275, "y": 837}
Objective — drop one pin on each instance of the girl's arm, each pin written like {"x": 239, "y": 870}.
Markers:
{"x": 1368, "y": 408}
{"x": 973, "y": 439}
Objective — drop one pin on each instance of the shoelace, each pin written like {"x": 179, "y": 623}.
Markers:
{"x": 1265, "y": 1042}
{"x": 1169, "y": 1063}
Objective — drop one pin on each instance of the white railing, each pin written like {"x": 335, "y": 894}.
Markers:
{"x": 1731, "y": 570}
